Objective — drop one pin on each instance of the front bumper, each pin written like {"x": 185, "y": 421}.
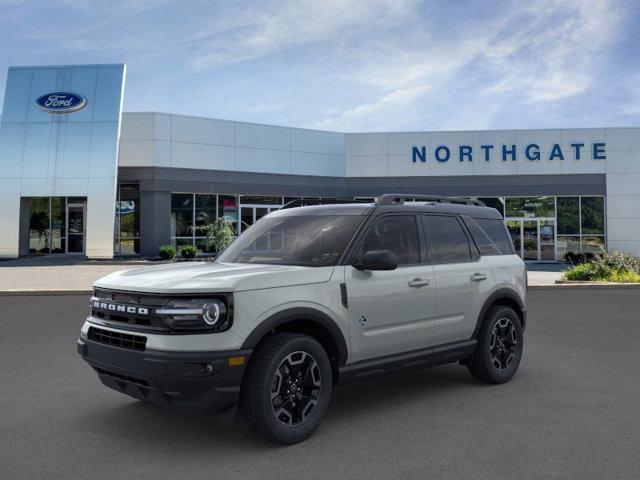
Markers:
{"x": 199, "y": 381}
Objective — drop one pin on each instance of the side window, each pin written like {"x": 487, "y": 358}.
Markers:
{"x": 496, "y": 231}
{"x": 448, "y": 240}
{"x": 485, "y": 244}
{"x": 396, "y": 233}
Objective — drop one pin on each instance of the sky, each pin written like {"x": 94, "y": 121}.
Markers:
{"x": 351, "y": 65}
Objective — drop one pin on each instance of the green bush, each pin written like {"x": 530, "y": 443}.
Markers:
{"x": 219, "y": 234}
{"x": 167, "y": 252}
{"x": 615, "y": 266}
{"x": 189, "y": 251}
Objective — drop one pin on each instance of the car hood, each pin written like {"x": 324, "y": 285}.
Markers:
{"x": 196, "y": 277}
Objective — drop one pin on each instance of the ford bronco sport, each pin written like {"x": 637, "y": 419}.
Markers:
{"x": 310, "y": 297}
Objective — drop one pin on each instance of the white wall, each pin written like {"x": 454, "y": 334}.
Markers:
{"x": 163, "y": 140}
{"x": 623, "y": 189}
{"x": 390, "y": 154}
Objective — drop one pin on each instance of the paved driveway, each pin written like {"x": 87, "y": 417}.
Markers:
{"x": 572, "y": 411}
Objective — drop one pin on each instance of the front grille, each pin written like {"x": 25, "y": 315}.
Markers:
{"x": 117, "y": 339}
{"x": 132, "y": 311}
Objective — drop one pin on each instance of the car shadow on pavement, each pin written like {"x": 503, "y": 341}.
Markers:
{"x": 139, "y": 423}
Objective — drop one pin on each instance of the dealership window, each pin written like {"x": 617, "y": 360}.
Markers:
{"x": 127, "y": 226}
{"x": 228, "y": 209}
{"x": 580, "y": 225}
{"x": 189, "y": 211}
{"x": 592, "y": 215}
{"x": 530, "y": 207}
{"x": 568, "y": 215}
{"x": 56, "y": 225}
{"x": 40, "y": 227}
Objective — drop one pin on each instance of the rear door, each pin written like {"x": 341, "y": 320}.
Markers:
{"x": 391, "y": 311}
{"x": 462, "y": 277}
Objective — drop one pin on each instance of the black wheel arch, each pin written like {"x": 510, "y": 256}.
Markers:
{"x": 310, "y": 322}
{"x": 506, "y": 297}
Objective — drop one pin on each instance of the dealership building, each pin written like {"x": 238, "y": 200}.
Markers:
{"x": 79, "y": 176}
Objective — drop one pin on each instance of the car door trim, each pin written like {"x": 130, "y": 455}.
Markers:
{"x": 425, "y": 357}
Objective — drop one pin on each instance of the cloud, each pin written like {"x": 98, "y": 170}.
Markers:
{"x": 346, "y": 65}
{"x": 534, "y": 53}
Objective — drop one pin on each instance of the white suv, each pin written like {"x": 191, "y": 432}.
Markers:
{"x": 310, "y": 297}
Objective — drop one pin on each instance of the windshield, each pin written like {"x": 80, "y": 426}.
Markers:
{"x": 311, "y": 241}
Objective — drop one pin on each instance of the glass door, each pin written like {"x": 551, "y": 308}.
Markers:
{"x": 515, "y": 230}
{"x": 75, "y": 227}
{"x": 534, "y": 240}
{"x": 547, "y": 240}
{"x": 530, "y": 240}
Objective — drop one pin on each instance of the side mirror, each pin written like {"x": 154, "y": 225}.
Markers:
{"x": 378, "y": 260}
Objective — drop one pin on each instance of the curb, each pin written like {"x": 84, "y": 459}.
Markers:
{"x": 42, "y": 293}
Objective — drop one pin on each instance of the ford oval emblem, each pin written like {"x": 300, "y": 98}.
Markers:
{"x": 61, "y": 102}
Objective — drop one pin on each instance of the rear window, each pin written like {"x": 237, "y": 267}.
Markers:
{"x": 490, "y": 235}
{"x": 449, "y": 243}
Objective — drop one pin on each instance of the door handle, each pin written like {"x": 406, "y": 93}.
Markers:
{"x": 478, "y": 277}
{"x": 418, "y": 283}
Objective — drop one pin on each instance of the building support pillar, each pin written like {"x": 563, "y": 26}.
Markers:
{"x": 155, "y": 221}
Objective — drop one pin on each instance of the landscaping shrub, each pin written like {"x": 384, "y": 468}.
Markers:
{"x": 189, "y": 251}
{"x": 218, "y": 235}
{"x": 167, "y": 252}
{"x": 614, "y": 266}
{"x": 578, "y": 258}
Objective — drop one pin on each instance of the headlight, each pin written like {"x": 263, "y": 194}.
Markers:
{"x": 195, "y": 314}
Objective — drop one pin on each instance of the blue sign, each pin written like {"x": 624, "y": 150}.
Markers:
{"x": 464, "y": 153}
{"x": 61, "y": 102}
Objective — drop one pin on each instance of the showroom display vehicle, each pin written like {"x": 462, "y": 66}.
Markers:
{"x": 310, "y": 297}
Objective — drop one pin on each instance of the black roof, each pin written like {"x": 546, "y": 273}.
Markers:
{"x": 473, "y": 211}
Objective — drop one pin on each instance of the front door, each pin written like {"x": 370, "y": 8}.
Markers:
{"x": 534, "y": 239}
{"x": 75, "y": 227}
{"x": 391, "y": 311}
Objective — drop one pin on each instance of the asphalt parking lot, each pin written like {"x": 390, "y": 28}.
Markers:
{"x": 572, "y": 411}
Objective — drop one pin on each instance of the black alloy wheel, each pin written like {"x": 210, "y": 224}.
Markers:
{"x": 504, "y": 343}
{"x": 500, "y": 346}
{"x": 286, "y": 388}
{"x": 296, "y": 388}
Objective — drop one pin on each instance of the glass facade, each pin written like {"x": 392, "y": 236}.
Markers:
{"x": 191, "y": 211}
{"x": 546, "y": 228}
{"x": 57, "y": 225}
{"x": 127, "y": 226}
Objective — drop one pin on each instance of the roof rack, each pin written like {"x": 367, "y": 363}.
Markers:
{"x": 399, "y": 199}
{"x": 305, "y": 202}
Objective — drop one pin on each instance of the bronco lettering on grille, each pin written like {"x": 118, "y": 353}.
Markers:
{"x": 120, "y": 308}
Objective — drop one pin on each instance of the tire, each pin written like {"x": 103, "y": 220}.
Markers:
{"x": 287, "y": 387}
{"x": 499, "y": 349}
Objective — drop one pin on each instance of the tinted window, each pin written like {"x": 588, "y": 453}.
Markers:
{"x": 495, "y": 230}
{"x": 486, "y": 246}
{"x": 396, "y": 233}
{"x": 313, "y": 240}
{"x": 449, "y": 242}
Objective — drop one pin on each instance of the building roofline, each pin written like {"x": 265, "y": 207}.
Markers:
{"x": 378, "y": 132}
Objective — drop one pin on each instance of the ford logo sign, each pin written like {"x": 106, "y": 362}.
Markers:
{"x": 61, "y": 102}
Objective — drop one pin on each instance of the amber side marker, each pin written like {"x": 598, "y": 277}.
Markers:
{"x": 236, "y": 361}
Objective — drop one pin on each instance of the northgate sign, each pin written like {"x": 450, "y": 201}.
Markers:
{"x": 531, "y": 152}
